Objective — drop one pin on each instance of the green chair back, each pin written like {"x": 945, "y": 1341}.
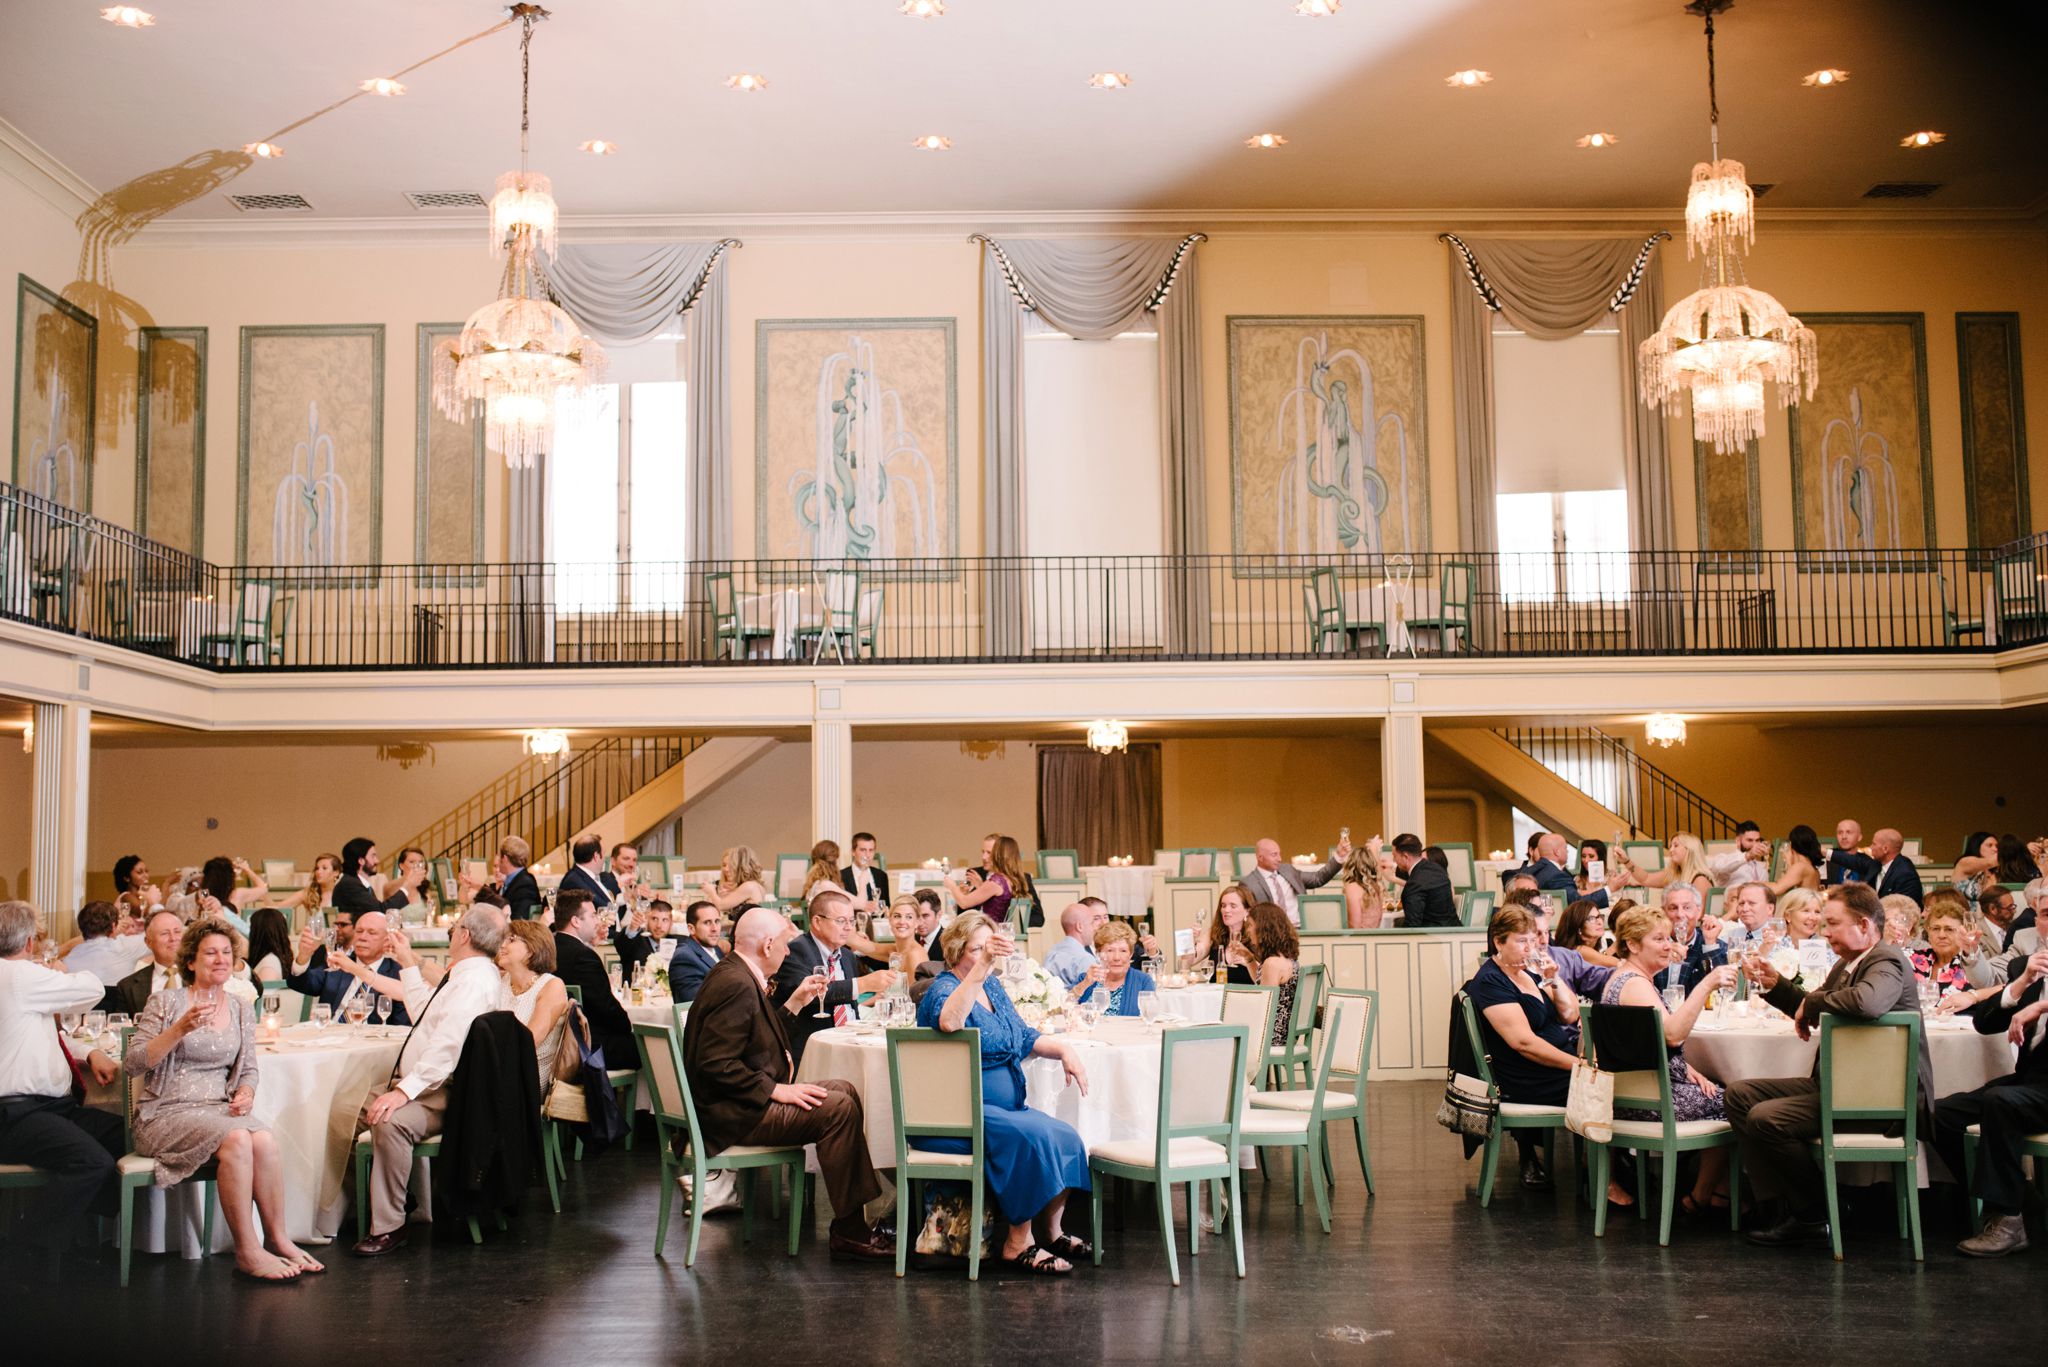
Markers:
{"x": 1648, "y": 855}
{"x": 653, "y": 870}
{"x": 1199, "y": 862}
{"x": 935, "y": 1093}
{"x": 661, "y": 1063}
{"x": 1351, "y": 1016}
{"x": 1064, "y": 865}
{"x": 1198, "y": 1098}
{"x": 1324, "y": 599}
{"x": 1243, "y": 860}
{"x": 1309, "y": 983}
{"x": 789, "y": 877}
{"x": 1639, "y": 1032}
{"x": 1482, "y": 1065}
{"x": 1322, "y": 911}
{"x": 1464, "y": 863}
{"x": 1870, "y": 1071}
{"x": 1476, "y": 907}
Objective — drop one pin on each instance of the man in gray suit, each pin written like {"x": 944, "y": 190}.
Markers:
{"x": 1279, "y": 882}
{"x": 1775, "y": 1118}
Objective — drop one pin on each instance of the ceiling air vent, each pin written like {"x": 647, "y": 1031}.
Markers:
{"x": 1901, "y": 189}
{"x": 1761, "y": 190}
{"x": 429, "y": 200}
{"x": 271, "y": 204}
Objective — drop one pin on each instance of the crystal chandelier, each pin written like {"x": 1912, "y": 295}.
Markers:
{"x": 1106, "y": 736}
{"x": 1664, "y": 728}
{"x": 1726, "y": 340}
{"x": 517, "y": 353}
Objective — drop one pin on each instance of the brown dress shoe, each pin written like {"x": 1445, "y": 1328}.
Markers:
{"x": 2002, "y": 1234}
{"x": 868, "y": 1249}
{"x": 377, "y": 1245}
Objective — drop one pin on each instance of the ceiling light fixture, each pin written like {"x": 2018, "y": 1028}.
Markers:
{"x": 932, "y": 142}
{"x": 1598, "y": 140}
{"x": 1106, "y": 736}
{"x": 1725, "y": 342}
{"x": 1468, "y": 78}
{"x": 923, "y": 9}
{"x": 598, "y": 147}
{"x": 1317, "y": 9}
{"x": 1110, "y": 80}
{"x": 1261, "y": 141}
{"x": 127, "y": 16}
{"x": 1927, "y": 137}
{"x": 747, "y": 81}
{"x": 1664, "y": 728}
{"x": 382, "y": 85}
{"x": 517, "y": 353}
{"x": 269, "y": 151}
{"x": 1824, "y": 78}
{"x": 547, "y": 744}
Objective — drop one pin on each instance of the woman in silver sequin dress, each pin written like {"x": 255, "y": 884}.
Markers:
{"x": 195, "y": 1047}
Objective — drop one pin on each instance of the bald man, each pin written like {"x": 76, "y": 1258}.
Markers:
{"x": 1846, "y": 861}
{"x": 1552, "y": 850}
{"x": 333, "y": 986}
{"x": 1074, "y": 955}
{"x": 1895, "y": 872}
{"x": 1282, "y": 884}
{"x": 736, "y": 1050}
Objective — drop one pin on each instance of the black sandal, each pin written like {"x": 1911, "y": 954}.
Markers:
{"x": 1074, "y": 1250}
{"x": 1037, "y": 1261}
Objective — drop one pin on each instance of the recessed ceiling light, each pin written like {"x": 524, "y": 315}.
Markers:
{"x": 1598, "y": 140}
{"x": 382, "y": 85}
{"x": 932, "y": 142}
{"x": 1110, "y": 80}
{"x": 598, "y": 147}
{"x": 1468, "y": 78}
{"x": 269, "y": 151}
{"x": 1826, "y": 76}
{"x": 1926, "y": 137}
{"x": 1317, "y": 9}
{"x": 923, "y": 9}
{"x": 1265, "y": 140}
{"x": 748, "y": 81}
{"x": 127, "y": 16}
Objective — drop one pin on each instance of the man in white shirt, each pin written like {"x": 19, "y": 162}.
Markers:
{"x": 1074, "y": 955}
{"x": 866, "y": 884}
{"x": 411, "y": 1110}
{"x": 42, "y": 1123}
{"x": 1743, "y": 864}
{"x": 102, "y": 953}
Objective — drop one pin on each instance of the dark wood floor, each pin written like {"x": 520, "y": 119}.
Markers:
{"x": 1418, "y": 1273}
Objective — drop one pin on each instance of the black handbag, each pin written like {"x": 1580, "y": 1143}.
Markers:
{"x": 1462, "y": 1113}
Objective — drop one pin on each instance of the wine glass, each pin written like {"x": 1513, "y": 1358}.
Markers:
{"x": 323, "y": 1015}
{"x": 357, "y": 1008}
{"x": 72, "y": 1020}
{"x": 273, "y": 1002}
{"x": 1148, "y": 1006}
{"x": 380, "y": 1006}
{"x": 824, "y": 980}
{"x": 95, "y": 1025}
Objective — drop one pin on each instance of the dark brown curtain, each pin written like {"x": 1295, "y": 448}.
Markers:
{"x": 1099, "y": 804}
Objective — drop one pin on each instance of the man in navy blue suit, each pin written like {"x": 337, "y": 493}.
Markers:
{"x": 332, "y": 986}
{"x": 623, "y": 871}
{"x": 697, "y": 953}
{"x": 1552, "y": 876}
{"x": 587, "y": 854}
{"x": 831, "y": 923}
{"x": 1894, "y": 872}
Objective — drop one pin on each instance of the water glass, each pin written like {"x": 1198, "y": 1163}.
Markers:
{"x": 323, "y": 1014}
{"x": 1148, "y": 1006}
{"x": 273, "y": 1002}
{"x": 1674, "y": 997}
{"x": 95, "y": 1025}
{"x": 357, "y": 1008}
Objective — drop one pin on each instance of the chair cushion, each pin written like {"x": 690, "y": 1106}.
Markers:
{"x": 1654, "y": 1129}
{"x": 134, "y": 1164}
{"x": 1857, "y": 1139}
{"x": 1975, "y": 1131}
{"x": 1140, "y": 1153}
{"x": 17, "y": 1170}
{"x": 1526, "y": 1111}
{"x": 756, "y": 1150}
{"x": 944, "y": 1160}
{"x": 1300, "y": 1100}
{"x": 1270, "y": 1122}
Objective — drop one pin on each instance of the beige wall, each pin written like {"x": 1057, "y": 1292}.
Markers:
{"x": 17, "y": 781}
{"x": 38, "y": 240}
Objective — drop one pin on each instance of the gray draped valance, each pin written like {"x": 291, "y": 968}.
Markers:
{"x": 1553, "y": 290}
{"x": 1093, "y": 288}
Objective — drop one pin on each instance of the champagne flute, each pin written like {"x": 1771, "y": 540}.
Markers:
{"x": 380, "y": 1005}
{"x": 824, "y": 981}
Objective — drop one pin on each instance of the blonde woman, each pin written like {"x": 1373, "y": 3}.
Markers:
{"x": 906, "y": 949}
{"x": 739, "y": 880}
{"x": 318, "y": 895}
{"x": 1365, "y": 897}
{"x": 1685, "y": 861}
{"x": 1799, "y": 909}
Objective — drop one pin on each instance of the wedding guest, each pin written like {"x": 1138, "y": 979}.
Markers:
{"x": 1583, "y": 930}
{"x": 1746, "y": 863}
{"x": 527, "y": 959}
{"x": 1221, "y": 938}
{"x": 1276, "y": 950}
{"x": 133, "y": 892}
{"x": 270, "y": 945}
{"x": 2007, "y": 1111}
{"x": 1998, "y": 910}
{"x": 1846, "y": 862}
{"x": 1800, "y": 910}
{"x": 1697, "y": 936}
{"x": 1803, "y": 862}
{"x": 1901, "y": 920}
{"x": 1109, "y": 979}
{"x": 1032, "y": 1160}
{"x": 738, "y": 883}
{"x": 1776, "y": 1119}
{"x": 160, "y": 933}
{"x": 1645, "y": 937}
{"x": 1891, "y": 873}
{"x": 406, "y": 889}
{"x": 1526, "y": 1025}
{"x": 1953, "y": 958}
{"x": 586, "y": 872}
{"x": 1550, "y": 874}
{"x": 516, "y": 883}
{"x": 356, "y": 891}
{"x": 195, "y": 1047}
{"x": 331, "y": 982}
{"x": 929, "y": 920}
{"x": 1582, "y": 975}
{"x": 1365, "y": 896}
{"x": 398, "y": 1119}
{"x": 578, "y": 965}
{"x": 318, "y": 894}
{"x": 736, "y": 1052}
{"x": 1591, "y": 852}
{"x": 42, "y": 1123}
{"x": 1426, "y": 896}
{"x": 824, "y": 952}
{"x": 1277, "y": 881}
{"x": 867, "y": 885}
{"x": 992, "y": 893}
{"x": 1754, "y": 906}
{"x": 906, "y": 951}
{"x": 697, "y": 953}
{"x": 644, "y": 938}
{"x": 218, "y": 895}
{"x": 102, "y": 953}
{"x": 1685, "y": 864}
{"x": 1074, "y": 955}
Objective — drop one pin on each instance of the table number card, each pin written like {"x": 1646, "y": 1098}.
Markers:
{"x": 1183, "y": 942}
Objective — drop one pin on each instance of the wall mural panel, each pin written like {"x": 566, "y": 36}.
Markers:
{"x": 1727, "y": 489}
{"x": 1329, "y": 447}
{"x": 56, "y": 357}
{"x": 170, "y": 437}
{"x": 856, "y": 438}
{"x": 448, "y": 468}
{"x": 311, "y": 451}
{"x": 1862, "y": 449}
{"x": 1994, "y": 427}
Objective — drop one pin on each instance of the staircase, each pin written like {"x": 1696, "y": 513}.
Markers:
{"x": 1607, "y": 770}
{"x": 549, "y": 802}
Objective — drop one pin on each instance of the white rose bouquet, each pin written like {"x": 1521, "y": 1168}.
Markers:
{"x": 1785, "y": 962}
{"x": 1037, "y": 995}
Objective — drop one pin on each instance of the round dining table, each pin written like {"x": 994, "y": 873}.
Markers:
{"x": 1200, "y": 1003}
{"x": 310, "y": 1089}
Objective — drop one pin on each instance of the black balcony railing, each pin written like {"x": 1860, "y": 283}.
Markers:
{"x": 80, "y": 575}
{"x": 1608, "y": 770}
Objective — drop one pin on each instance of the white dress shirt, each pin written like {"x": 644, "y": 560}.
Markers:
{"x": 441, "y": 1020}
{"x": 31, "y": 997}
{"x": 1733, "y": 867}
{"x": 109, "y": 958}
{"x": 865, "y": 884}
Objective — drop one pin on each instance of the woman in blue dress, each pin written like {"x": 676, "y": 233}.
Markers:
{"x": 1033, "y": 1160}
{"x": 1111, "y": 982}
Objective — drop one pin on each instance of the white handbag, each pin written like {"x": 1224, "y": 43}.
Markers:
{"x": 1589, "y": 1106}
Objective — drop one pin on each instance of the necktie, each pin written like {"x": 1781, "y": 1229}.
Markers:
{"x": 841, "y": 1015}
{"x": 399, "y": 1063}
{"x": 77, "y": 1073}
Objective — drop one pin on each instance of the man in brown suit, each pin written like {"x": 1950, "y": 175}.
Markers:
{"x": 1776, "y": 1118}
{"x": 736, "y": 1053}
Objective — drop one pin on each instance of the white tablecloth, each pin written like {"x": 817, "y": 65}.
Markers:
{"x": 1202, "y": 1003}
{"x": 784, "y": 612}
{"x": 1127, "y": 888}
{"x": 1391, "y": 603}
{"x": 310, "y": 1090}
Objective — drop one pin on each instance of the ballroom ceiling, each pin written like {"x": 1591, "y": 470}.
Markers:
{"x": 1361, "y": 99}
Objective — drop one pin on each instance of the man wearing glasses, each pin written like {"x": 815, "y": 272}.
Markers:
{"x": 824, "y": 950}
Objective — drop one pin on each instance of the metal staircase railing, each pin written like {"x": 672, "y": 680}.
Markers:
{"x": 548, "y": 802}
{"x": 1608, "y": 770}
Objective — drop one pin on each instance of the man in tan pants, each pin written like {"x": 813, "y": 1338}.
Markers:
{"x": 410, "y": 1111}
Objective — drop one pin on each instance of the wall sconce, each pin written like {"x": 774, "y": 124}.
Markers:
{"x": 1665, "y": 728}
{"x": 547, "y": 744}
{"x": 1105, "y": 736}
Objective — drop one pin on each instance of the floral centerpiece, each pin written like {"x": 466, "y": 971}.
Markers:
{"x": 1786, "y": 963}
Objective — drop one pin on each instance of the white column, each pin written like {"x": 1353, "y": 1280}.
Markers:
{"x": 831, "y": 772}
{"x": 60, "y": 806}
{"x": 1401, "y": 791}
